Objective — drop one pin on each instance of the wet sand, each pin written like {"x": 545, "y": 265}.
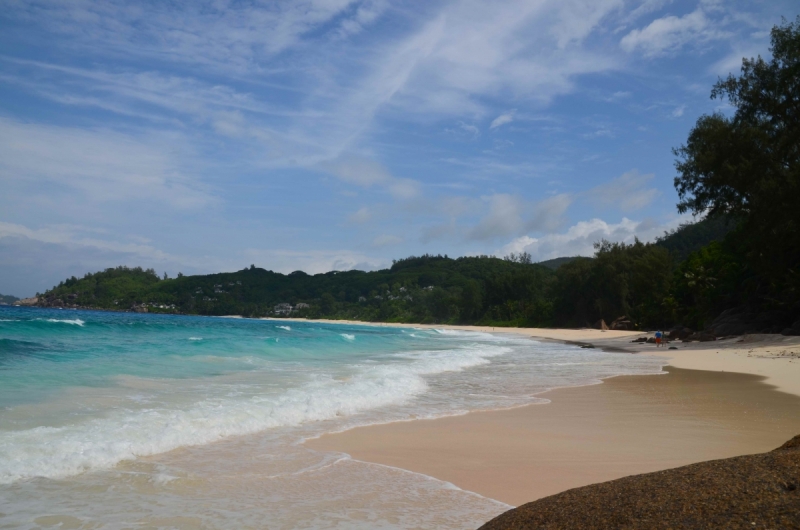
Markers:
{"x": 626, "y": 425}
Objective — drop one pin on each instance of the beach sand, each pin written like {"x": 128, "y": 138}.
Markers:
{"x": 717, "y": 400}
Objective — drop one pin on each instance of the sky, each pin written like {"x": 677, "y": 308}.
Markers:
{"x": 321, "y": 135}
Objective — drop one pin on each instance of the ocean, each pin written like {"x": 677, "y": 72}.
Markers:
{"x": 123, "y": 420}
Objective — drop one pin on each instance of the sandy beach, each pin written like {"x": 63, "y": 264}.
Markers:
{"x": 716, "y": 400}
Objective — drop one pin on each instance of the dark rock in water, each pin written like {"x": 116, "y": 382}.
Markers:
{"x": 587, "y": 346}
{"x": 753, "y": 491}
{"x": 601, "y": 324}
{"x": 651, "y": 340}
{"x": 673, "y": 347}
{"x": 640, "y": 339}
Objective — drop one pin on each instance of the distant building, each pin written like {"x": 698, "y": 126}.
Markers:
{"x": 301, "y": 305}
{"x": 283, "y": 309}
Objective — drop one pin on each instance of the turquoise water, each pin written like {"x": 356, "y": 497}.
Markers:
{"x": 145, "y": 417}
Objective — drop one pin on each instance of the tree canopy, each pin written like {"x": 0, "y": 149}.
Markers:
{"x": 747, "y": 165}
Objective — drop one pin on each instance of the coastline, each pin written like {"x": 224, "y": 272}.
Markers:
{"x": 774, "y": 357}
{"x": 717, "y": 400}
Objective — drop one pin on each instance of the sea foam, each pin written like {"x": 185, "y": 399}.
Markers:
{"x": 103, "y": 442}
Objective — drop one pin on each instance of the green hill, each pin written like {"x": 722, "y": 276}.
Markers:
{"x": 7, "y": 299}
{"x": 416, "y": 289}
{"x": 691, "y": 237}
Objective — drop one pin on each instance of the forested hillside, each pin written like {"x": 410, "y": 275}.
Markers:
{"x": 636, "y": 280}
{"x": 7, "y": 299}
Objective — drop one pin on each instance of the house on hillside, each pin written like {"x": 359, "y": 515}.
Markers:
{"x": 283, "y": 309}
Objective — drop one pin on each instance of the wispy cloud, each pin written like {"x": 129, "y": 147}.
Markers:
{"x": 579, "y": 239}
{"x": 668, "y": 34}
{"x": 103, "y": 165}
{"x": 504, "y": 118}
{"x": 367, "y": 173}
{"x": 627, "y": 193}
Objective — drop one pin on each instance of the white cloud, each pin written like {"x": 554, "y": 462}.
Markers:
{"x": 626, "y": 193}
{"x": 678, "y": 111}
{"x": 102, "y": 165}
{"x": 668, "y": 34}
{"x": 507, "y": 117}
{"x": 509, "y": 214}
{"x": 579, "y": 239}
{"x": 312, "y": 261}
{"x": 367, "y": 173}
{"x": 362, "y": 215}
{"x": 73, "y": 236}
{"x": 385, "y": 240}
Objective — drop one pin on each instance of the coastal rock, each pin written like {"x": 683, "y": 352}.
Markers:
{"x": 139, "y": 308}
{"x": 741, "y": 321}
{"x": 601, "y": 324}
{"x": 753, "y": 491}
{"x": 27, "y": 301}
{"x": 700, "y": 336}
{"x": 622, "y": 323}
{"x": 679, "y": 333}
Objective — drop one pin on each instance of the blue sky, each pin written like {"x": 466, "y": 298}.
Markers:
{"x": 337, "y": 134}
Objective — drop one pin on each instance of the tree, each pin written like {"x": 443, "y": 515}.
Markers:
{"x": 748, "y": 165}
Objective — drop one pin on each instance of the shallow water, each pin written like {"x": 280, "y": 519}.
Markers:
{"x": 117, "y": 420}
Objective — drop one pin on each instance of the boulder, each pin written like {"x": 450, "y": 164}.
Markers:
{"x": 601, "y": 324}
{"x": 700, "y": 336}
{"x": 640, "y": 339}
{"x": 622, "y": 323}
{"x": 27, "y": 301}
{"x": 679, "y": 333}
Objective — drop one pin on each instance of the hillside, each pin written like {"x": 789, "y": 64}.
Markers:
{"x": 691, "y": 237}
{"x": 417, "y": 289}
{"x": 7, "y": 299}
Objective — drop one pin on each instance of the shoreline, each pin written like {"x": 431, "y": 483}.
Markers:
{"x": 626, "y": 425}
{"x": 508, "y": 455}
{"x": 774, "y": 357}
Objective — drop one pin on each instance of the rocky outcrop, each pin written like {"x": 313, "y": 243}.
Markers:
{"x": 622, "y": 323}
{"x": 753, "y": 491}
{"x": 601, "y": 324}
{"x": 741, "y": 320}
{"x": 679, "y": 333}
{"x": 139, "y": 308}
{"x": 794, "y": 329}
{"x": 700, "y": 336}
{"x": 27, "y": 301}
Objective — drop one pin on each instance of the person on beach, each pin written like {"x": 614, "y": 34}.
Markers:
{"x": 658, "y": 339}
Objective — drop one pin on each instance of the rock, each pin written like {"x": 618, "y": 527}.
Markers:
{"x": 673, "y": 347}
{"x": 651, "y": 340}
{"x": 791, "y": 332}
{"x": 622, "y": 323}
{"x": 139, "y": 308}
{"x": 751, "y": 491}
{"x": 27, "y": 301}
{"x": 640, "y": 339}
{"x": 679, "y": 333}
{"x": 601, "y": 324}
{"x": 702, "y": 336}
